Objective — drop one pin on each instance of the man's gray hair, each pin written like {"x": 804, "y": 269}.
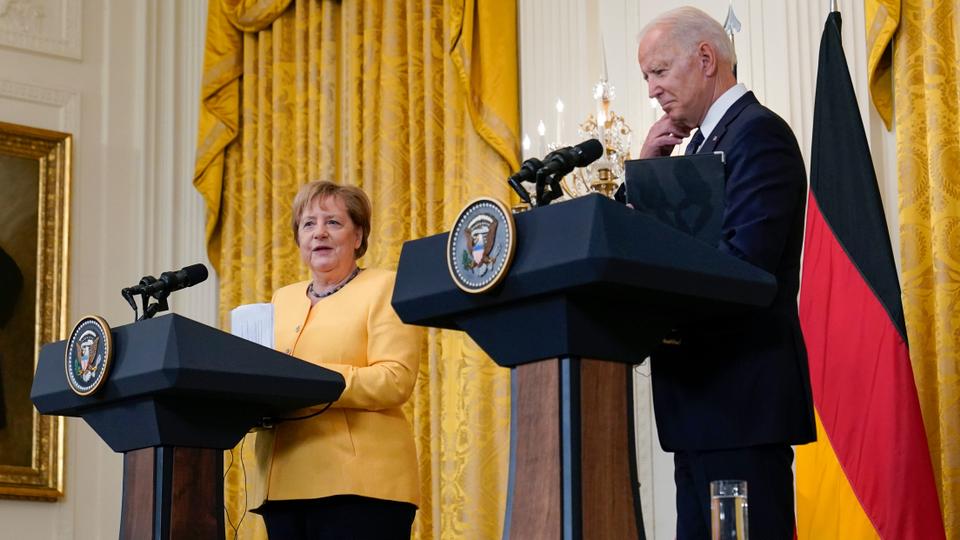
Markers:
{"x": 687, "y": 27}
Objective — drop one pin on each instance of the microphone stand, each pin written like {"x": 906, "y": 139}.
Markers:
{"x": 545, "y": 177}
{"x": 128, "y": 296}
{"x": 149, "y": 310}
{"x": 160, "y": 305}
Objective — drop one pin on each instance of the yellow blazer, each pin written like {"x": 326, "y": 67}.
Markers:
{"x": 363, "y": 444}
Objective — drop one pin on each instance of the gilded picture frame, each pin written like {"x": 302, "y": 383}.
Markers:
{"x": 35, "y": 170}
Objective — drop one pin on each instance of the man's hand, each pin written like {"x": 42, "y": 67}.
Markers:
{"x": 663, "y": 137}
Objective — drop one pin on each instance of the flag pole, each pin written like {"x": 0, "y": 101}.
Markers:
{"x": 731, "y": 26}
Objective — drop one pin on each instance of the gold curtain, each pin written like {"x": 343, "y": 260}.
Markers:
{"x": 924, "y": 99}
{"x": 416, "y": 102}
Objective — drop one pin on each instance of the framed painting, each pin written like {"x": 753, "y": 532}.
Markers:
{"x": 34, "y": 224}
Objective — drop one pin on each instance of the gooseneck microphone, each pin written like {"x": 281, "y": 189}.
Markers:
{"x": 527, "y": 173}
{"x": 560, "y": 162}
{"x": 169, "y": 282}
{"x": 564, "y": 160}
{"x": 160, "y": 289}
{"x": 555, "y": 165}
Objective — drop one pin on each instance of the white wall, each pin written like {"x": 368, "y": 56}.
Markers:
{"x": 777, "y": 50}
{"x": 123, "y": 77}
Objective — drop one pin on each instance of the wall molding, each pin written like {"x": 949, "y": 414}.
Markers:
{"x": 50, "y": 27}
{"x": 68, "y": 101}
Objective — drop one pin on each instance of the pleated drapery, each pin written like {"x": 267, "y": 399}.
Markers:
{"x": 914, "y": 55}
{"x": 417, "y": 103}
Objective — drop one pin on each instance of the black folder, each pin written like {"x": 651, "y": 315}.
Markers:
{"x": 684, "y": 192}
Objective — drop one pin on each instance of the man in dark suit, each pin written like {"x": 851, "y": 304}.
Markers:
{"x": 731, "y": 396}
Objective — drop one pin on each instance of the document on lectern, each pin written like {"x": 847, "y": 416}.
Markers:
{"x": 684, "y": 192}
{"x": 253, "y": 322}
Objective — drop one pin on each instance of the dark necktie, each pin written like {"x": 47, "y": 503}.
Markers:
{"x": 694, "y": 143}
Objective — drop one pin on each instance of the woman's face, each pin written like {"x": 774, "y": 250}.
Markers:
{"x": 328, "y": 238}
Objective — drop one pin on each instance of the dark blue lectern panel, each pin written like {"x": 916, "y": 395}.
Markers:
{"x": 590, "y": 278}
{"x": 177, "y": 382}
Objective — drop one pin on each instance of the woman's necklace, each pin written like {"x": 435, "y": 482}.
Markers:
{"x": 327, "y": 292}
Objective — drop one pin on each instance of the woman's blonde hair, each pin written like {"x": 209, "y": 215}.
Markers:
{"x": 356, "y": 201}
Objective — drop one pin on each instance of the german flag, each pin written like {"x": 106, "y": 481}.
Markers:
{"x": 869, "y": 474}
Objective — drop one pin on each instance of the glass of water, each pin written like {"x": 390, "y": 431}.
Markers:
{"x": 728, "y": 510}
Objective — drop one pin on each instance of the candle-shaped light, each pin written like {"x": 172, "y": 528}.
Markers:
{"x": 603, "y": 163}
{"x": 559, "y": 121}
{"x": 542, "y": 132}
{"x": 602, "y": 129}
{"x": 526, "y": 146}
{"x": 604, "y": 91}
{"x": 603, "y": 51}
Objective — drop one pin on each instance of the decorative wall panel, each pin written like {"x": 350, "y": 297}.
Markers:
{"x": 44, "y": 26}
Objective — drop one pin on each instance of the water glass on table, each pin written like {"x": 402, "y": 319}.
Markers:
{"x": 728, "y": 510}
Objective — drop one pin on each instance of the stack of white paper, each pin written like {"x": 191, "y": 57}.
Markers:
{"x": 253, "y": 322}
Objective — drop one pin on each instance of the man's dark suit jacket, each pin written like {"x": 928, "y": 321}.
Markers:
{"x": 743, "y": 381}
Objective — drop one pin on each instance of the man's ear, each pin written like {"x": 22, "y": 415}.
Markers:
{"x": 707, "y": 57}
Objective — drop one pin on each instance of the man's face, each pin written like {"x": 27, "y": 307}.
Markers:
{"x": 675, "y": 78}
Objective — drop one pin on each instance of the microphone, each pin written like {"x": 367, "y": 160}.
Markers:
{"x": 564, "y": 160}
{"x": 187, "y": 276}
{"x": 527, "y": 173}
{"x": 560, "y": 162}
{"x": 169, "y": 282}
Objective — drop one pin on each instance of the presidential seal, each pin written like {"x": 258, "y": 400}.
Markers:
{"x": 481, "y": 245}
{"x": 88, "y": 356}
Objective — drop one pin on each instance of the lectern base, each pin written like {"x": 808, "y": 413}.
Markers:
{"x": 172, "y": 492}
{"x": 572, "y": 465}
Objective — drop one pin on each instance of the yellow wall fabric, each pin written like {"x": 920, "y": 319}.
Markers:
{"x": 219, "y": 118}
{"x": 476, "y": 28}
{"x": 882, "y": 18}
{"x": 925, "y": 93}
{"x": 414, "y": 101}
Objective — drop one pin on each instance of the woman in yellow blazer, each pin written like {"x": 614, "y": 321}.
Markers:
{"x": 351, "y": 471}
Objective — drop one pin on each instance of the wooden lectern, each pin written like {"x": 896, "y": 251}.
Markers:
{"x": 594, "y": 286}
